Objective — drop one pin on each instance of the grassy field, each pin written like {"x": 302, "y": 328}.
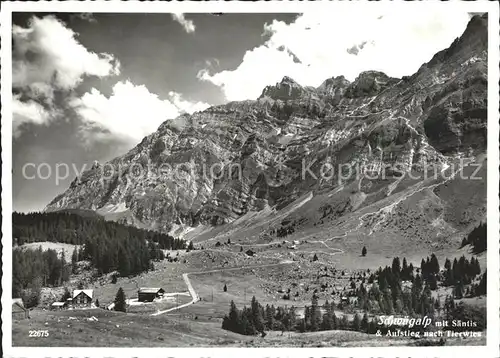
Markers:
{"x": 115, "y": 329}
{"x": 241, "y": 286}
{"x": 166, "y": 275}
{"x": 101, "y": 328}
{"x": 345, "y": 339}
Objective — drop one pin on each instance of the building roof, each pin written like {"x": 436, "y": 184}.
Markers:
{"x": 17, "y": 305}
{"x": 150, "y": 289}
{"x": 58, "y": 304}
{"x": 86, "y": 292}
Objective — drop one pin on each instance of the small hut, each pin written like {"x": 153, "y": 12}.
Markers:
{"x": 59, "y": 305}
{"x": 149, "y": 294}
{"x": 18, "y": 309}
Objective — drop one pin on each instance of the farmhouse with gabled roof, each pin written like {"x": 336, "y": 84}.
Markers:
{"x": 148, "y": 294}
{"x": 82, "y": 298}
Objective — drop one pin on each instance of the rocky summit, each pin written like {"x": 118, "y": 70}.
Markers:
{"x": 335, "y": 157}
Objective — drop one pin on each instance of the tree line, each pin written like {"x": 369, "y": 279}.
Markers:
{"x": 256, "y": 319}
{"x": 389, "y": 295}
{"x": 33, "y": 269}
{"x": 71, "y": 228}
{"x": 109, "y": 246}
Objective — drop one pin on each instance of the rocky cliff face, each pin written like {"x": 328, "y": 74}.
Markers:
{"x": 214, "y": 166}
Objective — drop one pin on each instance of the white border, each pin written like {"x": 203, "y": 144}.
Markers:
{"x": 493, "y": 340}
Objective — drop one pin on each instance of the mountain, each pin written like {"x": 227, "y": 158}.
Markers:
{"x": 266, "y": 156}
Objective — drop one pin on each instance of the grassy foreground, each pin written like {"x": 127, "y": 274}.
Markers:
{"x": 115, "y": 329}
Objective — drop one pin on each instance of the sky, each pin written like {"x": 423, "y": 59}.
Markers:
{"x": 89, "y": 87}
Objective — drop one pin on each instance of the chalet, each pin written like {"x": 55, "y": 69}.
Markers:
{"x": 148, "y": 294}
{"x": 18, "y": 309}
{"x": 82, "y": 298}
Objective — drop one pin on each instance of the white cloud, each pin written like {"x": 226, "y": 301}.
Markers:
{"x": 47, "y": 58}
{"x": 27, "y": 112}
{"x": 396, "y": 43}
{"x": 187, "y": 24}
{"x": 131, "y": 112}
{"x": 47, "y": 54}
{"x": 184, "y": 106}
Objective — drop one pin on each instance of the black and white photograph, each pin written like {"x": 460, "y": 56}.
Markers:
{"x": 310, "y": 177}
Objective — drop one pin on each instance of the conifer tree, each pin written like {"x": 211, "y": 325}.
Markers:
{"x": 404, "y": 270}
{"x": 269, "y": 317}
{"x": 356, "y": 322}
{"x": 245, "y": 324}
{"x": 459, "y": 290}
{"x": 302, "y": 325}
{"x": 65, "y": 295}
{"x": 396, "y": 266}
{"x": 315, "y": 314}
{"x": 307, "y": 318}
{"x": 432, "y": 282}
{"x": 434, "y": 265}
{"x": 364, "y": 323}
{"x": 326, "y": 323}
{"x": 410, "y": 271}
{"x": 234, "y": 319}
{"x": 256, "y": 314}
{"x": 74, "y": 256}
{"x": 120, "y": 301}
{"x": 423, "y": 268}
{"x": 250, "y": 325}
{"x": 363, "y": 251}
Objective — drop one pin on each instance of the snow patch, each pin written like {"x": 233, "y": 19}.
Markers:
{"x": 112, "y": 209}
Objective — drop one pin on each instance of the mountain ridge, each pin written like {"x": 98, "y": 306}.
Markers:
{"x": 257, "y": 148}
